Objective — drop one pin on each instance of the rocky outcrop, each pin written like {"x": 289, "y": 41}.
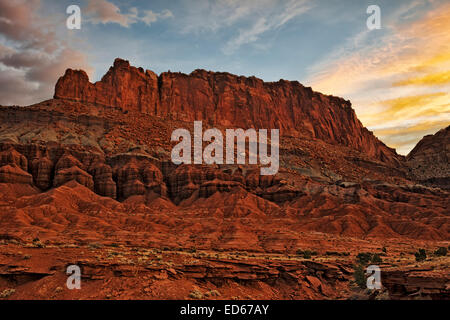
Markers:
{"x": 136, "y": 175}
{"x": 42, "y": 169}
{"x": 69, "y": 168}
{"x": 187, "y": 179}
{"x": 424, "y": 283}
{"x": 104, "y": 184}
{"x": 14, "y": 174}
{"x": 123, "y": 86}
{"x": 67, "y": 161}
{"x": 11, "y": 156}
{"x": 429, "y": 161}
{"x": 227, "y": 100}
{"x": 74, "y": 173}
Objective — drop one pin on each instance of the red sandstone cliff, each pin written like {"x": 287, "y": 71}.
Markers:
{"x": 227, "y": 100}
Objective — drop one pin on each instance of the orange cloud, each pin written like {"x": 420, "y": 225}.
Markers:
{"x": 428, "y": 80}
{"x": 398, "y": 110}
{"x": 428, "y": 64}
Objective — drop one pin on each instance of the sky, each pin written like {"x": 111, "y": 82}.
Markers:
{"x": 397, "y": 77}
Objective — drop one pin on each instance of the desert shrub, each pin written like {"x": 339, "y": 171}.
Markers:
{"x": 421, "y": 255}
{"x": 196, "y": 295}
{"x": 359, "y": 276}
{"x": 363, "y": 258}
{"x": 376, "y": 258}
{"x": 6, "y": 293}
{"x": 37, "y": 243}
{"x": 339, "y": 254}
{"x": 214, "y": 293}
{"x": 441, "y": 252}
{"x": 94, "y": 245}
{"x": 306, "y": 253}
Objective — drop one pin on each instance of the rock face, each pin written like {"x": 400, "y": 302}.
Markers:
{"x": 187, "y": 179}
{"x": 42, "y": 169}
{"x": 74, "y": 173}
{"x": 136, "y": 175}
{"x": 11, "y": 156}
{"x": 14, "y": 174}
{"x": 103, "y": 183}
{"x": 227, "y": 100}
{"x": 417, "y": 284}
{"x": 430, "y": 159}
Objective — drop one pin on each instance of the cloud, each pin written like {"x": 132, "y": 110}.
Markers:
{"x": 428, "y": 80}
{"x": 211, "y": 16}
{"x": 104, "y": 12}
{"x": 265, "y": 23}
{"x": 32, "y": 55}
{"x": 150, "y": 17}
{"x": 411, "y": 107}
{"x": 18, "y": 22}
{"x": 245, "y": 21}
{"x": 398, "y": 76}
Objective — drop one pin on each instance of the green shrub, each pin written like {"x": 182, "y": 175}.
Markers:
{"x": 363, "y": 258}
{"x": 360, "y": 276}
{"x": 376, "y": 258}
{"x": 441, "y": 252}
{"x": 307, "y": 254}
{"x": 421, "y": 255}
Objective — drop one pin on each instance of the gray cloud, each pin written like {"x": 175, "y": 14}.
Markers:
{"x": 32, "y": 55}
{"x": 251, "y": 18}
{"x": 104, "y": 12}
